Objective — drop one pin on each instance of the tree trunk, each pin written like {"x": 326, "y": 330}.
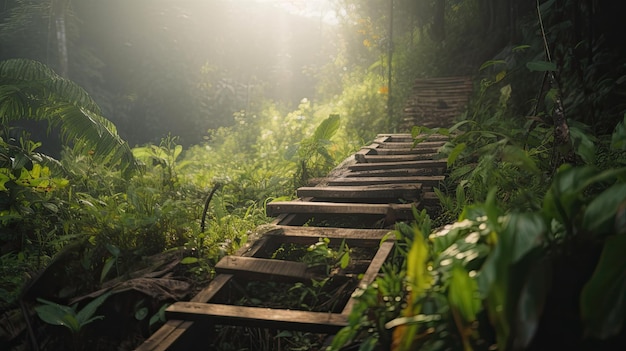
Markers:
{"x": 438, "y": 30}
{"x": 59, "y": 12}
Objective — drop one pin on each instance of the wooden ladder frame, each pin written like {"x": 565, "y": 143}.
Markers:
{"x": 388, "y": 178}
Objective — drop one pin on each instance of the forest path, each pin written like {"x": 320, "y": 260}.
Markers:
{"x": 350, "y": 212}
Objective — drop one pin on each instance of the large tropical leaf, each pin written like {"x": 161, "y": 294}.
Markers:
{"x": 31, "y": 90}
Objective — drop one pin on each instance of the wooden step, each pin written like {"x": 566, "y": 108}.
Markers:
{"x": 399, "y": 172}
{"x": 358, "y": 181}
{"x": 311, "y": 235}
{"x": 417, "y": 151}
{"x": 426, "y": 144}
{"x": 263, "y": 268}
{"x": 407, "y": 137}
{"x": 442, "y": 164}
{"x": 314, "y": 322}
{"x": 372, "y": 271}
{"x": 165, "y": 336}
{"x": 308, "y": 207}
{"x": 385, "y": 191}
{"x": 367, "y": 158}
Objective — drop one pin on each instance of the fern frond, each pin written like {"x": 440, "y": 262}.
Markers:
{"x": 31, "y": 90}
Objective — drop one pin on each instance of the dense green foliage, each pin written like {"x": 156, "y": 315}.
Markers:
{"x": 527, "y": 248}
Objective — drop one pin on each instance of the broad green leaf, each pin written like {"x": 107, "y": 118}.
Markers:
{"x": 583, "y": 142}
{"x": 463, "y": 294}
{"x": 417, "y": 270}
{"x": 85, "y": 315}
{"x": 535, "y": 284}
{"x": 345, "y": 260}
{"x": 541, "y": 66}
{"x": 618, "y": 138}
{"x": 447, "y": 236}
{"x": 189, "y": 260}
{"x": 500, "y": 76}
{"x": 114, "y": 250}
{"x": 327, "y": 129}
{"x": 443, "y": 131}
{"x": 416, "y": 131}
{"x": 178, "y": 149}
{"x": 566, "y": 192}
{"x": 603, "y": 298}
{"x": 456, "y": 151}
{"x": 50, "y": 207}
{"x": 492, "y": 210}
{"x": 602, "y": 210}
{"x": 154, "y": 319}
{"x": 519, "y": 158}
{"x": 36, "y": 171}
{"x": 108, "y": 264}
{"x": 343, "y": 337}
{"x": 369, "y": 344}
{"x": 3, "y": 180}
{"x": 458, "y": 125}
{"x": 521, "y": 234}
{"x": 55, "y": 314}
{"x": 19, "y": 161}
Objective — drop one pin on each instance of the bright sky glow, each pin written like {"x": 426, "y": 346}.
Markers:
{"x": 322, "y": 9}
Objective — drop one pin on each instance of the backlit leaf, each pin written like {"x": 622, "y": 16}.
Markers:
{"x": 600, "y": 212}
{"x": 189, "y": 260}
{"x": 345, "y": 260}
{"x": 463, "y": 294}
{"x": 327, "y": 129}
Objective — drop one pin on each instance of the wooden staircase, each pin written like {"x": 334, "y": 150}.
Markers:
{"x": 435, "y": 102}
{"x": 363, "y": 198}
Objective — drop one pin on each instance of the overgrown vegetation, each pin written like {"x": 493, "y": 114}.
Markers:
{"x": 527, "y": 250}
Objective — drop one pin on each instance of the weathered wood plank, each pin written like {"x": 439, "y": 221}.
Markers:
{"x": 213, "y": 288}
{"x": 315, "y": 322}
{"x": 263, "y": 268}
{"x": 431, "y": 199}
{"x": 400, "y": 172}
{"x": 397, "y": 158}
{"x": 408, "y": 138}
{"x": 431, "y": 151}
{"x": 372, "y": 271}
{"x": 399, "y": 165}
{"x": 384, "y": 191}
{"x": 429, "y": 181}
{"x": 393, "y": 145}
{"x": 166, "y": 336}
{"x": 359, "y": 156}
{"x": 278, "y": 207}
{"x": 310, "y": 235}
{"x": 382, "y": 139}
